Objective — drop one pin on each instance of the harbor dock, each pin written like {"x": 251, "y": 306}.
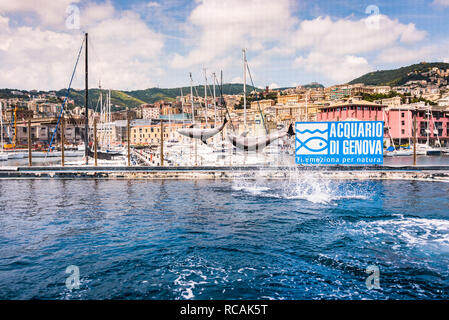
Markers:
{"x": 421, "y": 173}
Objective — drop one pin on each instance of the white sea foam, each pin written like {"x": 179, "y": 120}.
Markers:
{"x": 305, "y": 186}
{"x": 411, "y": 231}
{"x": 186, "y": 285}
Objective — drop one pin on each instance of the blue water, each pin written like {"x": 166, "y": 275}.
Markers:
{"x": 301, "y": 239}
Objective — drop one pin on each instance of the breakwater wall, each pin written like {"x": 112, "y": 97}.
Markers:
{"x": 423, "y": 173}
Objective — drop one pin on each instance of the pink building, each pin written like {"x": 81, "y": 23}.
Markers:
{"x": 398, "y": 121}
{"x": 434, "y": 123}
{"x": 352, "y": 110}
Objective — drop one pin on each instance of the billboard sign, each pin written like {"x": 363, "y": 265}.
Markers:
{"x": 339, "y": 142}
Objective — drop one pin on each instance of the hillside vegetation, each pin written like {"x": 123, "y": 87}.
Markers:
{"x": 399, "y": 76}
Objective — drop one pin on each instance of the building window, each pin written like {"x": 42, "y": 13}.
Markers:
{"x": 403, "y": 131}
{"x": 403, "y": 122}
{"x": 402, "y": 114}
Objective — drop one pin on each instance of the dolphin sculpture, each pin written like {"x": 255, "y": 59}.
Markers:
{"x": 259, "y": 142}
{"x": 202, "y": 134}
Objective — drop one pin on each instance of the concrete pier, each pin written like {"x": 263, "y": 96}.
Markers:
{"x": 422, "y": 173}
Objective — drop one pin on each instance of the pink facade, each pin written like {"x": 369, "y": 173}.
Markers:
{"x": 398, "y": 122}
{"x": 342, "y": 112}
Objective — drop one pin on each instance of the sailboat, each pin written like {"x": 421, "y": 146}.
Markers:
{"x": 105, "y": 155}
{"x": 401, "y": 152}
{"x": 199, "y": 133}
{"x": 242, "y": 141}
{"x": 430, "y": 151}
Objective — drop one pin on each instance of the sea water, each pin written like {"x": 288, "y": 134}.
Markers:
{"x": 302, "y": 238}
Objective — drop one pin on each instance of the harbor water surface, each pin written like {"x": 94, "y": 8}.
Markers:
{"x": 307, "y": 239}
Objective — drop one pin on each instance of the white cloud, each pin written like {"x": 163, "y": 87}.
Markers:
{"x": 335, "y": 67}
{"x": 444, "y": 3}
{"x": 48, "y": 12}
{"x": 153, "y": 4}
{"x": 406, "y": 55}
{"x": 336, "y": 48}
{"x": 345, "y": 36}
{"x": 95, "y": 12}
{"x": 273, "y": 86}
{"x": 124, "y": 52}
{"x": 218, "y": 27}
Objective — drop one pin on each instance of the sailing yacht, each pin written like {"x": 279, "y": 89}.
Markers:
{"x": 257, "y": 143}
{"x": 431, "y": 151}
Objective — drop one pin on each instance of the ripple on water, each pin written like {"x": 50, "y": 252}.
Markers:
{"x": 306, "y": 238}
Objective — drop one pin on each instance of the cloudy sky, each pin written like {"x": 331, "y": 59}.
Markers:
{"x": 140, "y": 44}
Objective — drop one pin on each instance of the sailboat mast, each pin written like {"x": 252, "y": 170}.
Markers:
{"x": 400, "y": 127}
{"x": 244, "y": 87}
{"x": 191, "y": 98}
{"x": 215, "y": 103}
{"x": 101, "y": 114}
{"x": 182, "y": 106}
{"x": 86, "y": 97}
{"x": 205, "y": 92}
{"x": 109, "y": 120}
{"x": 428, "y": 125}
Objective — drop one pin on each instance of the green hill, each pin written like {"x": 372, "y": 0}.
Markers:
{"x": 152, "y": 95}
{"x": 131, "y": 99}
{"x": 399, "y": 76}
{"x": 118, "y": 98}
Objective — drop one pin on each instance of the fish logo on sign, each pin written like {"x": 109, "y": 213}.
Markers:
{"x": 312, "y": 138}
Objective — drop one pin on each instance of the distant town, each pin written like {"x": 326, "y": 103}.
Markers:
{"x": 426, "y": 95}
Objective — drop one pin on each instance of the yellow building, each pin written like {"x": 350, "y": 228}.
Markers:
{"x": 151, "y": 134}
{"x": 289, "y": 99}
{"x": 262, "y": 103}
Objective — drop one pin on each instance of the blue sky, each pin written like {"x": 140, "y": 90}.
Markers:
{"x": 139, "y": 44}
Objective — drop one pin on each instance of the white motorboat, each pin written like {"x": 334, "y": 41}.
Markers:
{"x": 16, "y": 155}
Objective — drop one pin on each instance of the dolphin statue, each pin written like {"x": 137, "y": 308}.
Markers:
{"x": 202, "y": 134}
{"x": 259, "y": 142}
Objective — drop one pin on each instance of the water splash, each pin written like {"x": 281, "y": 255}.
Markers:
{"x": 309, "y": 186}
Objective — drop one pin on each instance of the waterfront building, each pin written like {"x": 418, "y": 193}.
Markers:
{"x": 398, "y": 120}
{"x": 433, "y": 122}
{"x": 351, "y": 109}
